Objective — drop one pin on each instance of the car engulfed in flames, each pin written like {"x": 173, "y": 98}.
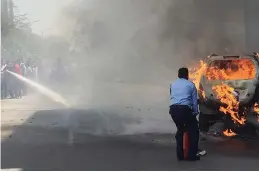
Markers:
{"x": 228, "y": 88}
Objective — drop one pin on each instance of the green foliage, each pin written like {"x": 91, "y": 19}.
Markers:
{"x": 18, "y": 40}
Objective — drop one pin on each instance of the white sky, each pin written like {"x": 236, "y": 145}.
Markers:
{"x": 43, "y": 11}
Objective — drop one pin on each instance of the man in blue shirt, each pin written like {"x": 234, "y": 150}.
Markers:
{"x": 183, "y": 110}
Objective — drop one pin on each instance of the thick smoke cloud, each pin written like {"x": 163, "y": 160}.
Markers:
{"x": 126, "y": 52}
{"x": 143, "y": 42}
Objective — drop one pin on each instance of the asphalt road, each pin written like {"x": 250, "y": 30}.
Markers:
{"x": 38, "y": 134}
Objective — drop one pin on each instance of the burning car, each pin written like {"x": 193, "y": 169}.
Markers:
{"x": 228, "y": 88}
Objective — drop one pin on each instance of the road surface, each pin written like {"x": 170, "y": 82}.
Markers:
{"x": 38, "y": 134}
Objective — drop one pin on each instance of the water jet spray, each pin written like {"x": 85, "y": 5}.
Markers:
{"x": 44, "y": 90}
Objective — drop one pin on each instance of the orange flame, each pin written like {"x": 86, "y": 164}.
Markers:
{"x": 226, "y": 96}
{"x": 229, "y": 133}
{"x": 195, "y": 76}
{"x": 234, "y": 69}
{"x": 256, "y": 109}
{"x": 231, "y": 70}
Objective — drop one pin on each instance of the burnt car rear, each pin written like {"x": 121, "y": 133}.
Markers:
{"x": 238, "y": 72}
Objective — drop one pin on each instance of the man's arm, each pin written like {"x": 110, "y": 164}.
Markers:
{"x": 170, "y": 90}
{"x": 195, "y": 101}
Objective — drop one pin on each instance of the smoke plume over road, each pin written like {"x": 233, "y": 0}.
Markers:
{"x": 144, "y": 42}
{"x": 126, "y": 52}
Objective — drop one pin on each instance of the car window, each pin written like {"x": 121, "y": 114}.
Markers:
{"x": 236, "y": 69}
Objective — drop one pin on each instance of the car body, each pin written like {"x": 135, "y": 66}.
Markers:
{"x": 245, "y": 84}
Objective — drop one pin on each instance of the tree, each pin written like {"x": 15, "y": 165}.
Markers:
{"x": 17, "y": 37}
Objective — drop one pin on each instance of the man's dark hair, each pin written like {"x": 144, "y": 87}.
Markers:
{"x": 183, "y": 73}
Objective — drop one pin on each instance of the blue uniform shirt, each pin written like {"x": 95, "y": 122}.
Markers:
{"x": 184, "y": 92}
